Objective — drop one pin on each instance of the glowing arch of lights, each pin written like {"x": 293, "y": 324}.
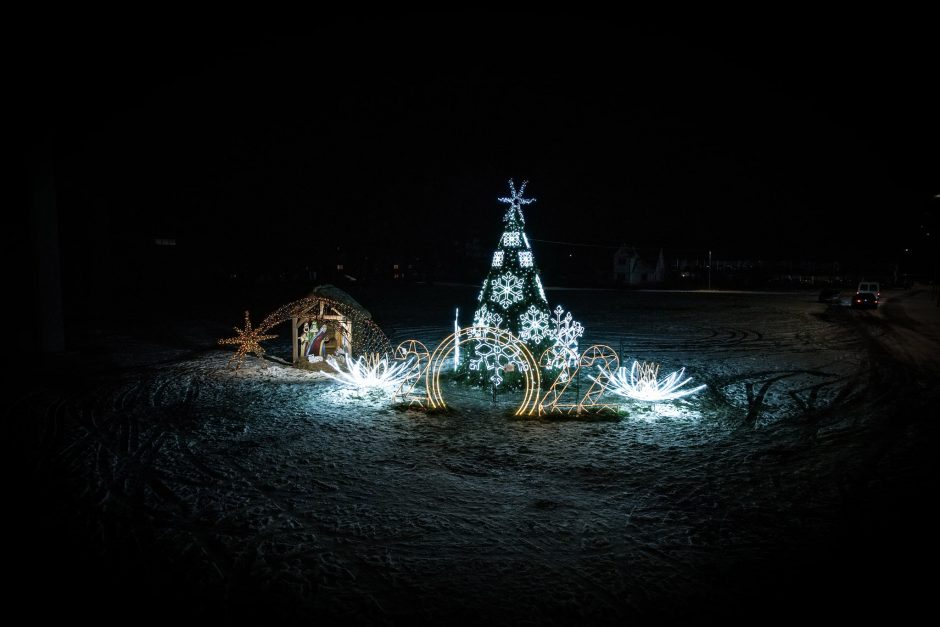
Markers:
{"x": 509, "y": 344}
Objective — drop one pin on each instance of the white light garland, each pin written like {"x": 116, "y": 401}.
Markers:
{"x": 538, "y": 283}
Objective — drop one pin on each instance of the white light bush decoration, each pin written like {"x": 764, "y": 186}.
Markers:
{"x": 642, "y": 383}
{"x": 370, "y": 372}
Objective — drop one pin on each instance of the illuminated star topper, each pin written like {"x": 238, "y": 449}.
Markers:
{"x": 516, "y": 200}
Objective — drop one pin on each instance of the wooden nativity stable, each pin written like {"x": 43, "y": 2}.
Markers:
{"x": 325, "y": 326}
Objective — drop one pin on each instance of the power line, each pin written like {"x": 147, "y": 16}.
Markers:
{"x": 549, "y": 241}
{"x": 694, "y": 251}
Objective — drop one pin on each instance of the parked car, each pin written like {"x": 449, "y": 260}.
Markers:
{"x": 865, "y": 300}
{"x": 829, "y": 295}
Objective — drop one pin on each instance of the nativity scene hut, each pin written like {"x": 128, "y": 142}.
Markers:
{"x": 331, "y": 322}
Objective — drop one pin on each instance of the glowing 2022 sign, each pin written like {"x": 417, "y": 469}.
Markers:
{"x": 412, "y": 363}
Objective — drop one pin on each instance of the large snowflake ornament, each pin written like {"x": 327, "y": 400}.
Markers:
{"x": 533, "y": 324}
{"x": 483, "y": 317}
{"x": 507, "y": 289}
{"x": 566, "y": 332}
{"x": 490, "y": 354}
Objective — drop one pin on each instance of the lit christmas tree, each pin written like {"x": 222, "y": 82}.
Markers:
{"x": 512, "y": 298}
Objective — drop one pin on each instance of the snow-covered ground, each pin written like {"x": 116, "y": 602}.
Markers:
{"x": 273, "y": 492}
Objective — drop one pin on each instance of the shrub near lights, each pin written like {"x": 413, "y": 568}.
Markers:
{"x": 642, "y": 384}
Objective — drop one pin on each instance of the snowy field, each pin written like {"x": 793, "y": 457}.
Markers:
{"x": 272, "y": 493}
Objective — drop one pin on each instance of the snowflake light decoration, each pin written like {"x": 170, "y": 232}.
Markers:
{"x": 525, "y": 259}
{"x": 507, "y": 289}
{"x": 492, "y": 355}
{"x": 497, "y": 258}
{"x": 566, "y": 332}
{"x": 642, "y": 384}
{"x": 370, "y": 372}
{"x": 511, "y": 238}
{"x": 534, "y": 324}
{"x": 483, "y": 317}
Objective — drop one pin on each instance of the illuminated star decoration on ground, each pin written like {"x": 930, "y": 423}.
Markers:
{"x": 516, "y": 201}
{"x": 642, "y": 384}
{"x": 248, "y": 340}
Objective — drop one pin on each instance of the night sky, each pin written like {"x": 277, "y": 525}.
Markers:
{"x": 254, "y": 145}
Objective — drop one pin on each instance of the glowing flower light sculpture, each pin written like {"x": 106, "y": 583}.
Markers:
{"x": 370, "y": 372}
{"x": 642, "y": 383}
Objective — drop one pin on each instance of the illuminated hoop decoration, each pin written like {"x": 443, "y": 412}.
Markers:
{"x": 598, "y": 355}
{"x": 420, "y": 356}
{"x": 511, "y": 346}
